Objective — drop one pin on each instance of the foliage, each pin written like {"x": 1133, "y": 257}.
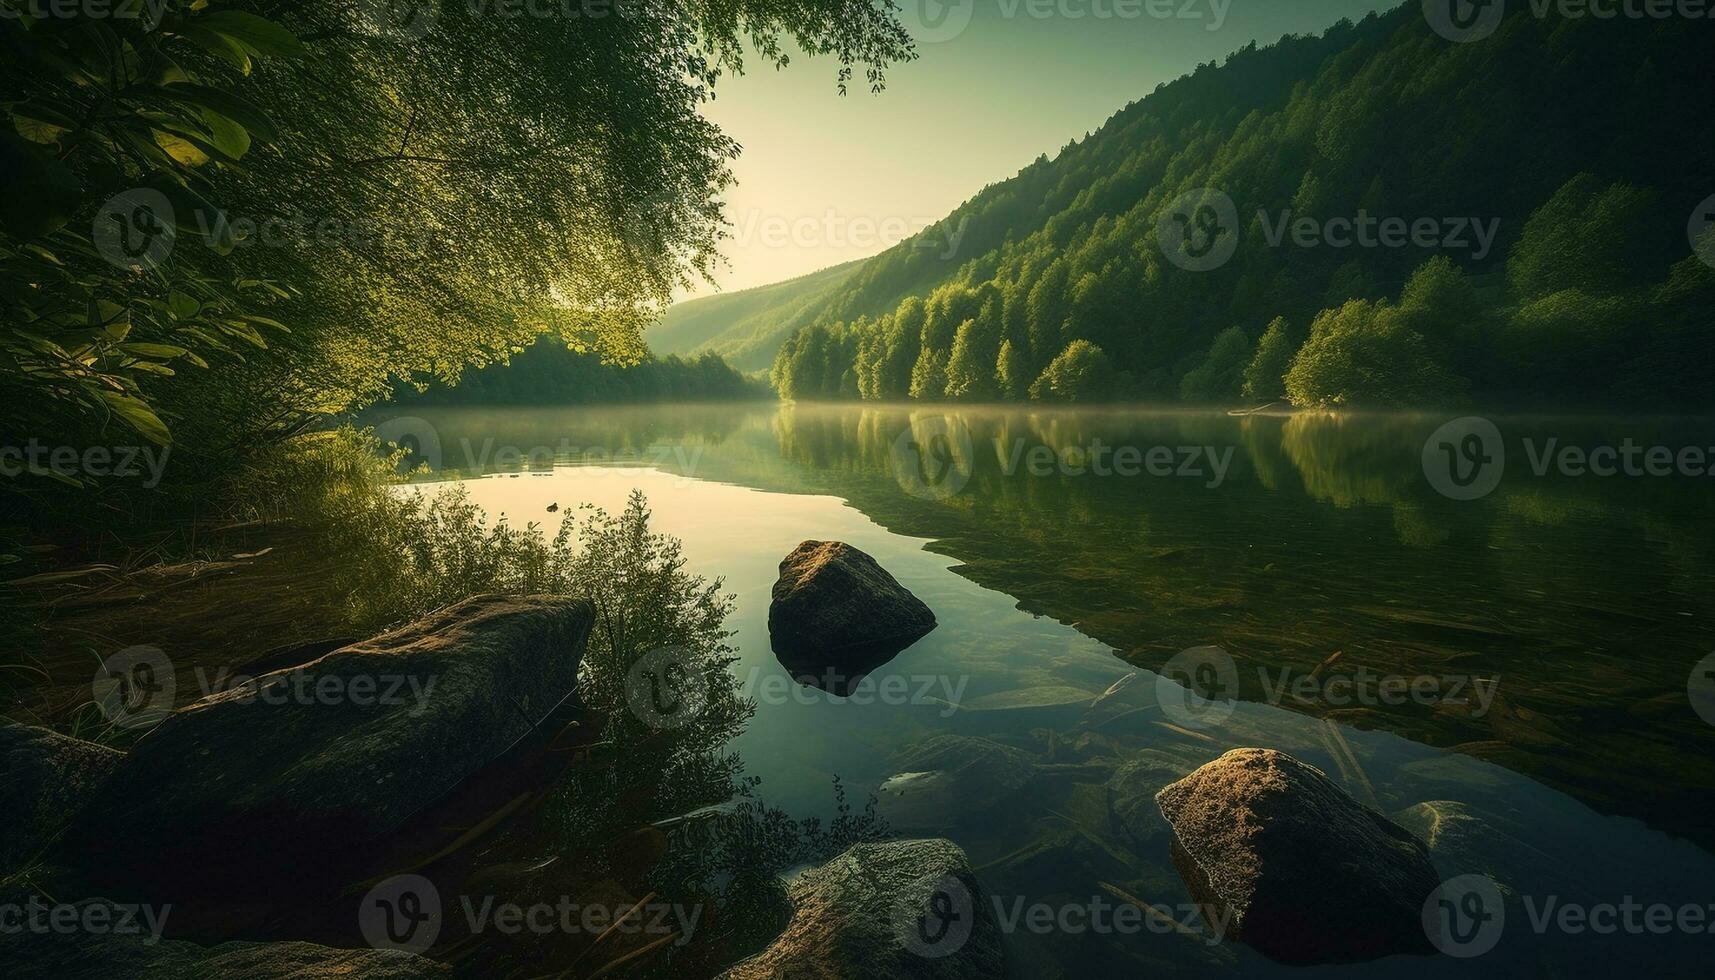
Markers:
{"x": 1068, "y": 249}
{"x": 404, "y": 205}
{"x": 1265, "y": 375}
{"x": 1587, "y": 236}
{"x": 1221, "y": 375}
{"x": 1082, "y": 373}
{"x": 1364, "y": 354}
{"x": 549, "y": 373}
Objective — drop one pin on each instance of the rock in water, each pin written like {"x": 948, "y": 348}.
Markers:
{"x": 1131, "y": 795}
{"x": 1285, "y": 861}
{"x": 837, "y": 615}
{"x": 293, "y": 779}
{"x": 900, "y": 908}
{"x": 47, "y": 777}
{"x": 948, "y": 778}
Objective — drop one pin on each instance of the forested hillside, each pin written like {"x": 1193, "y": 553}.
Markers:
{"x": 549, "y": 373}
{"x": 748, "y": 326}
{"x": 1550, "y": 178}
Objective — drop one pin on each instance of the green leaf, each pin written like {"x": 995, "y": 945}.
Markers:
{"x": 229, "y": 137}
{"x": 219, "y": 45}
{"x": 180, "y": 149}
{"x": 244, "y": 331}
{"x": 259, "y": 34}
{"x": 138, "y": 414}
{"x": 267, "y": 322}
{"x": 246, "y": 113}
{"x": 40, "y": 123}
{"x": 183, "y": 305}
{"x": 164, "y": 351}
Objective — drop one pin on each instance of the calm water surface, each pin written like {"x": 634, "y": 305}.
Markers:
{"x": 1548, "y": 630}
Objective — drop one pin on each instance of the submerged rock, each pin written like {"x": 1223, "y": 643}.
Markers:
{"x": 294, "y": 778}
{"x": 1286, "y": 862}
{"x": 1463, "y": 842}
{"x": 139, "y": 955}
{"x": 837, "y": 615}
{"x": 901, "y": 908}
{"x": 948, "y": 778}
{"x": 47, "y": 778}
{"x": 1131, "y": 794}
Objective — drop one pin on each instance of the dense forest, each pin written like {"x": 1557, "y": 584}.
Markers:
{"x": 1552, "y": 135}
{"x": 549, "y": 373}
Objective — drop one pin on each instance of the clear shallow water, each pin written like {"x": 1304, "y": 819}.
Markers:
{"x": 1583, "y": 601}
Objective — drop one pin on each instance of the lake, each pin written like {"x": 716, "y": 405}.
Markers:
{"x": 1505, "y": 649}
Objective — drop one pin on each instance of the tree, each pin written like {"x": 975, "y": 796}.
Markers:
{"x": 929, "y": 376}
{"x": 971, "y": 367}
{"x": 1265, "y": 375}
{"x": 1587, "y": 236}
{"x": 1221, "y": 374}
{"x": 1012, "y": 371}
{"x": 1362, "y": 355}
{"x": 1080, "y": 374}
{"x": 414, "y": 203}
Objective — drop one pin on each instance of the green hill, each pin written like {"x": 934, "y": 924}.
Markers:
{"x": 1536, "y": 186}
{"x": 748, "y": 326}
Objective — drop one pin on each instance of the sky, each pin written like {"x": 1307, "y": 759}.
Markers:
{"x": 825, "y": 179}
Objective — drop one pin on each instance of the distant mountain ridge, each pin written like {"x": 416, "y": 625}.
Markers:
{"x": 1576, "y": 142}
{"x": 745, "y": 327}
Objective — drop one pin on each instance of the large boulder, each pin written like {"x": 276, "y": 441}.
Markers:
{"x": 1285, "y": 861}
{"x": 123, "y": 949}
{"x": 293, "y": 779}
{"x": 837, "y": 615}
{"x": 47, "y": 778}
{"x": 900, "y": 908}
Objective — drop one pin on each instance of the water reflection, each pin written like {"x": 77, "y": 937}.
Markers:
{"x": 1014, "y": 735}
{"x": 1585, "y": 597}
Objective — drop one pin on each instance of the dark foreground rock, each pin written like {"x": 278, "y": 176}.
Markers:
{"x": 86, "y": 955}
{"x": 903, "y": 908}
{"x": 289, "y": 782}
{"x": 1289, "y": 864}
{"x": 47, "y": 777}
{"x": 837, "y": 615}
